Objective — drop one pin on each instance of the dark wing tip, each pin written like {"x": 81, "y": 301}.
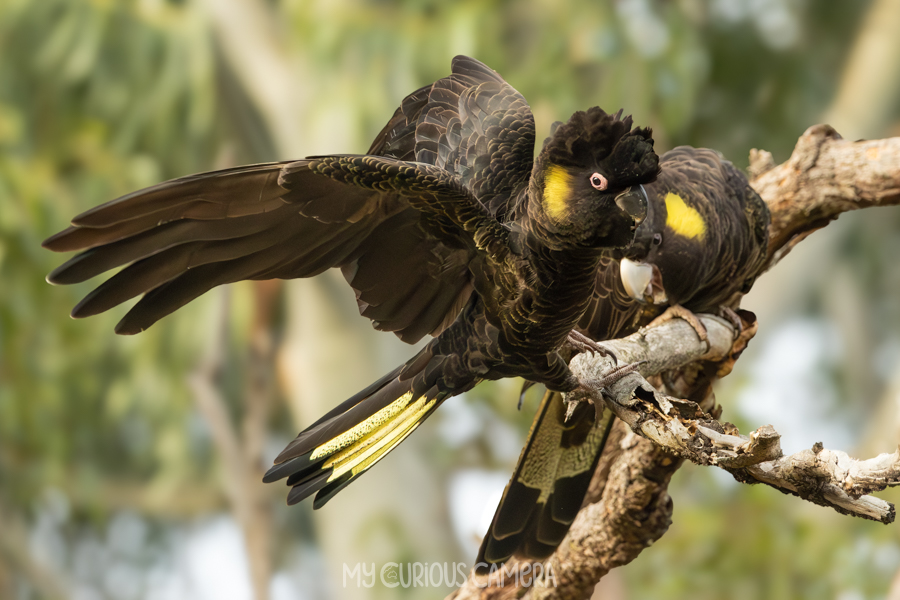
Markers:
{"x": 87, "y": 307}
{"x": 57, "y": 241}
{"x": 466, "y": 65}
{"x": 55, "y": 277}
{"x": 126, "y": 326}
{"x": 64, "y": 274}
{"x": 461, "y": 60}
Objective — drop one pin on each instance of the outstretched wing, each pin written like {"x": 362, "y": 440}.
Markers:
{"x": 409, "y": 264}
{"x": 472, "y": 124}
{"x": 276, "y": 220}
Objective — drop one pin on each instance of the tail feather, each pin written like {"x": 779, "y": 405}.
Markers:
{"x": 349, "y": 414}
{"x": 356, "y": 399}
{"x": 305, "y": 488}
{"x": 353, "y": 437}
{"x": 548, "y": 486}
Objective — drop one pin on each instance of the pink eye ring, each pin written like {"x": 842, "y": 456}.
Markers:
{"x": 599, "y": 181}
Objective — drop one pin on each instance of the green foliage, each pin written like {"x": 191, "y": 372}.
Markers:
{"x": 95, "y": 101}
{"x": 98, "y": 98}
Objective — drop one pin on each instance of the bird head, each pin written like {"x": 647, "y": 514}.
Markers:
{"x": 704, "y": 238}
{"x": 666, "y": 260}
{"x": 590, "y": 174}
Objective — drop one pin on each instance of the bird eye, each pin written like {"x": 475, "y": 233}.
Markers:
{"x": 657, "y": 239}
{"x": 599, "y": 181}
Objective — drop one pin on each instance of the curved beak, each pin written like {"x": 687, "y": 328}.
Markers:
{"x": 636, "y": 278}
{"x": 642, "y": 281}
{"x": 634, "y": 202}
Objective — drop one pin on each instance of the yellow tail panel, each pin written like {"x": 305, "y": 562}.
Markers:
{"x": 363, "y": 445}
{"x": 358, "y": 432}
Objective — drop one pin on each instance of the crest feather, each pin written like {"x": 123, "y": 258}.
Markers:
{"x": 596, "y": 138}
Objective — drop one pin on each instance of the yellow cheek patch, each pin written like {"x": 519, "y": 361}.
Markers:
{"x": 682, "y": 219}
{"x": 557, "y": 189}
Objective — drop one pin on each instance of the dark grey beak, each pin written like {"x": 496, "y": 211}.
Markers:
{"x": 634, "y": 202}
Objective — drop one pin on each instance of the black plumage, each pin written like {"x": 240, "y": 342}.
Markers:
{"x": 701, "y": 247}
{"x": 448, "y": 226}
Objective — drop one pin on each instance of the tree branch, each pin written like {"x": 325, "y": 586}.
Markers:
{"x": 826, "y": 477}
{"x": 824, "y": 177}
{"x": 241, "y": 449}
{"x": 16, "y": 553}
{"x": 635, "y": 511}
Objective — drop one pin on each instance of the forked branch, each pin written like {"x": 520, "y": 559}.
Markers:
{"x": 824, "y": 177}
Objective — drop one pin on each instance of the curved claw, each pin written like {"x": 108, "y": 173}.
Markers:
{"x": 583, "y": 343}
{"x": 613, "y": 376}
{"x": 589, "y": 388}
{"x": 729, "y": 315}
{"x": 525, "y": 387}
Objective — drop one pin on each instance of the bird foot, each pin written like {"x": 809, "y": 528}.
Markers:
{"x": 733, "y": 318}
{"x": 583, "y": 343}
{"x": 589, "y": 389}
{"x": 676, "y": 311}
{"x": 525, "y": 387}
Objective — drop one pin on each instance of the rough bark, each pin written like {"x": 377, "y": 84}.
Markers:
{"x": 824, "y": 177}
{"x": 826, "y": 477}
{"x": 604, "y": 535}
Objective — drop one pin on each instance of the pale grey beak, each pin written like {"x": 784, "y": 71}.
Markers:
{"x": 636, "y": 277}
{"x": 634, "y": 202}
